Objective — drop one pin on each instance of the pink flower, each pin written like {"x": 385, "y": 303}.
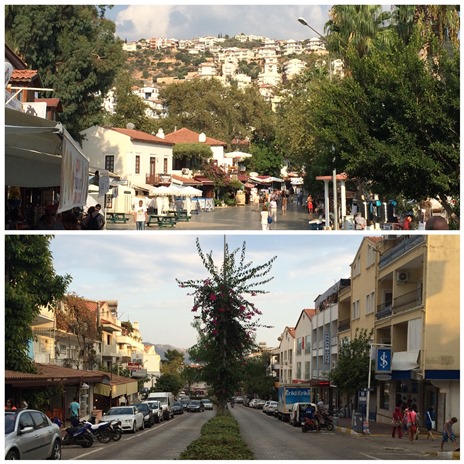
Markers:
{"x": 195, "y": 308}
{"x": 213, "y": 297}
{"x": 215, "y": 332}
{"x": 222, "y": 310}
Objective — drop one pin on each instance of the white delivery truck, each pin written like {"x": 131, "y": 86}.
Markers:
{"x": 288, "y": 395}
{"x": 166, "y": 399}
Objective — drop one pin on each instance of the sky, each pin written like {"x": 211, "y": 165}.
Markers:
{"x": 140, "y": 272}
{"x": 189, "y": 20}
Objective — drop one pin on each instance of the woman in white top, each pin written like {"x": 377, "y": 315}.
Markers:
{"x": 264, "y": 219}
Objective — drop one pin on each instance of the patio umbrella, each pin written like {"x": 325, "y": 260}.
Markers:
{"x": 238, "y": 155}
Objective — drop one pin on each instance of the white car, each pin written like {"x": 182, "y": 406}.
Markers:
{"x": 131, "y": 418}
{"x": 208, "y": 404}
{"x": 270, "y": 408}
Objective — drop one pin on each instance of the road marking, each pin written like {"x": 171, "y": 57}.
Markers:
{"x": 85, "y": 454}
{"x": 371, "y": 457}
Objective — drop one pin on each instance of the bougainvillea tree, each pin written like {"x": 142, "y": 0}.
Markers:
{"x": 225, "y": 318}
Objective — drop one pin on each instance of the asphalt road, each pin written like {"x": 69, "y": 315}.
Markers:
{"x": 163, "y": 441}
{"x": 270, "y": 439}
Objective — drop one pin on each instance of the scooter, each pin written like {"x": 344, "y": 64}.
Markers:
{"x": 79, "y": 435}
{"x": 309, "y": 424}
{"x": 100, "y": 430}
{"x": 325, "y": 422}
{"x": 115, "y": 430}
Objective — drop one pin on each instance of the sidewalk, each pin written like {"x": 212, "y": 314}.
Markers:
{"x": 381, "y": 433}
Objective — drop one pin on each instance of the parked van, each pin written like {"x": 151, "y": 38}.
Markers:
{"x": 166, "y": 399}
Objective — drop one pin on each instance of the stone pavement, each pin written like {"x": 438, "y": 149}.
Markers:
{"x": 381, "y": 433}
{"x": 242, "y": 218}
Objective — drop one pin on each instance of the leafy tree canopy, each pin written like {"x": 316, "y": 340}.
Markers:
{"x": 192, "y": 150}
{"x": 75, "y": 51}
{"x": 168, "y": 382}
{"x": 353, "y": 363}
{"x": 30, "y": 282}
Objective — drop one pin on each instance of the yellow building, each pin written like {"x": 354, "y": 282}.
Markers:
{"x": 418, "y": 314}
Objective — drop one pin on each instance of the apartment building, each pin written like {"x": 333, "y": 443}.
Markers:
{"x": 286, "y": 355}
{"x": 303, "y": 330}
{"x": 418, "y": 315}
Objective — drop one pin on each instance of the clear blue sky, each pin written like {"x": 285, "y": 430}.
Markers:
{"x": 187, "y": 21}
{"x": 139, "y": 270}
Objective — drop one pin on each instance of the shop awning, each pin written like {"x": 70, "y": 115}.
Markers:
{"x": 102, "y": 389}
{"x": 405, "y": 360}
{"x": 41, "y": 153}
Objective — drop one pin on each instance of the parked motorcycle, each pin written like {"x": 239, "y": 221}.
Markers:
{"x": 79, "y": 435}
{"x": 100, "y": 430}
{"x": 325, "y": 421}
{"x": 115, "y": 430}
{"x": 309, "y": 424}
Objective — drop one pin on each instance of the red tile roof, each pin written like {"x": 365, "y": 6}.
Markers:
{"x": 185, "y": 135}
{"x": 52, "y": 103}
{"x": 140, "y": 136}
{"x": 25, "y": 75}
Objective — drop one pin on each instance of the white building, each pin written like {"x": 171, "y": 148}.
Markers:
{"x": 134, "y": 155}
{"x": 287, "y": 355}
{"x": 303, "y": 331}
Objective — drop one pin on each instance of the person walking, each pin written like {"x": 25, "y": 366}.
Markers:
{"x": 430, "y": 422}
{"x": 284, "y": 205}
{"x": 264, "y": 218}
{"x": 310, "y": 204}
{"x": 256, "y": 202}
{"x": 448, "y": 433}
{"x": 273, "y": 209}
{"x": 140, "y": 215}
{"x": 74, "y": 408}
{"x": 397, "y": 421}
{"x": 411, "y": 427}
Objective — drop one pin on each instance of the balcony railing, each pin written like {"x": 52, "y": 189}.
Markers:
{"x": 344, "y": 324}
{"x": 155, "y": 179}
{"x": 404, "y": 246}
{"x": 384, "y": 310}
{"x": 407, "y": 301}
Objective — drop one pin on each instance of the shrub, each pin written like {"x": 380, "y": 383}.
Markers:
{"x": 219, "y": 440}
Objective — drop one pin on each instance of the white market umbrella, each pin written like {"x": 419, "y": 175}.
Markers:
{"x": 238, "y": 155}
{"x": 162, "y": 191}
{"x": 189, "y": 191}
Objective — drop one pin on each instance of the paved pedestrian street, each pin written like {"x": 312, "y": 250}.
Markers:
{"x": 233, "y": 218}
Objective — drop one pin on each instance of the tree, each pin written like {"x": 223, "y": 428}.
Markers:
{"x": 30, "y": 282}
{"x": 353, "y": 363}
{"x": 73, "y": 315}
{"x": 75, "y": 51}
{"x": 255, "y": 380}
{"x": 191, "y": 155}
{"x": 173, "y": 363}
{"x": 168, "y": 383}
{"x": 226, "y": 330}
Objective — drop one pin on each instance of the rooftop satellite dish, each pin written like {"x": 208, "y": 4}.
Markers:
{"x": 130, "y": 126}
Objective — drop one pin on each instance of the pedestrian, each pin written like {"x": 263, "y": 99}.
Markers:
{"x": 284, "y": 205}
{"x": 256, "y": 202}
{"x": 411, "y": 426}
{"x": 74, "y": 408}
{"x": 407, "y": 222}
{"x": 264, "y": 218}
{"x": 430, "y": 422}
{"x": 436, "y": 223}
{"x": 360, "y": 222}
{"x": 310, "y": 204}
{"x": 100, "y": 219}
{"x": 273, "y": 209}
{"x": 10, "y": 404}
{"x": 414, "y": 408}
{"x": 49, "y": 220}
{"x": 140, "y": 215}
{"x": 299, "y": 198}
{"x": 397, "y": 421}
{"x": 448, "y": 433}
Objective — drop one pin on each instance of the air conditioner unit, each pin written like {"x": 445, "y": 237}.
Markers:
{"x": 402, "y": 276}
{"x": 185, "y": 171}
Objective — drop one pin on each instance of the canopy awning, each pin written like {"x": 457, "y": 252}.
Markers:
{"x": 41, "y": 153}
{"x": 405, "y": 360}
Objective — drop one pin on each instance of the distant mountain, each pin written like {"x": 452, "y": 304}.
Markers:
{"x": 161, "y": 350}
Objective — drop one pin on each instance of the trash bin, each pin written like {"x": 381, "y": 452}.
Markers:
{"x": 357, "y": 423}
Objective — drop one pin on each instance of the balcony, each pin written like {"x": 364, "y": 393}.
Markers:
{"x": 384, "y": 310}
{"x": 401, "y": 248}
{"x": 344, "y": 324}
{"x": 407, "y": 301}
{"x": 156, "y": 179}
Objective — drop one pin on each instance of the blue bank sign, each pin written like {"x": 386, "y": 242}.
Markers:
{"x": 383, "y": 361}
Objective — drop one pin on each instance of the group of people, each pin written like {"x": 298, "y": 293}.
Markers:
{"x": 406, "y": 419}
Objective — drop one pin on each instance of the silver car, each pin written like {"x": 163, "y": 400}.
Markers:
{"x": 131, "y": 418}
{"x": 157, "y": 410}
{"x": 30, "y": 434}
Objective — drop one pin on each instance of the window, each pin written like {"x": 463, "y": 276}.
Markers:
{"x": 298, "y": 370}
{"x": 137, "y": 164}
{"x": 370, "y": 256}
{"x": 355, "y": 314}
{"x": 299, "y": 343}
{"x": 370, "y": 303}
{"x": 307, "y": 372}
{"x": 165, "y": 165}
{"x": 385, "y": 395}
{"x": 307, "y": 347}
{"x": 109, "y": 163}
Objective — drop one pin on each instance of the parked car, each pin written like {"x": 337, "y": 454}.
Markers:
{"x": 208, "y": 404}
{"x": 157, "y": 410}
{"x": 30, "y": 434}
{"x": 196, "y": 406}
{"x": 177, "y": 407}
{"x": 131, "y": 418}
{"x": 239, "y": 399}
{"x": 147, "y": 412}
{"x": 270, "y": 408}
{"x": 185, "y": 402}
{"x": 252, "y": 402}
{"x": 259, "y": 404}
